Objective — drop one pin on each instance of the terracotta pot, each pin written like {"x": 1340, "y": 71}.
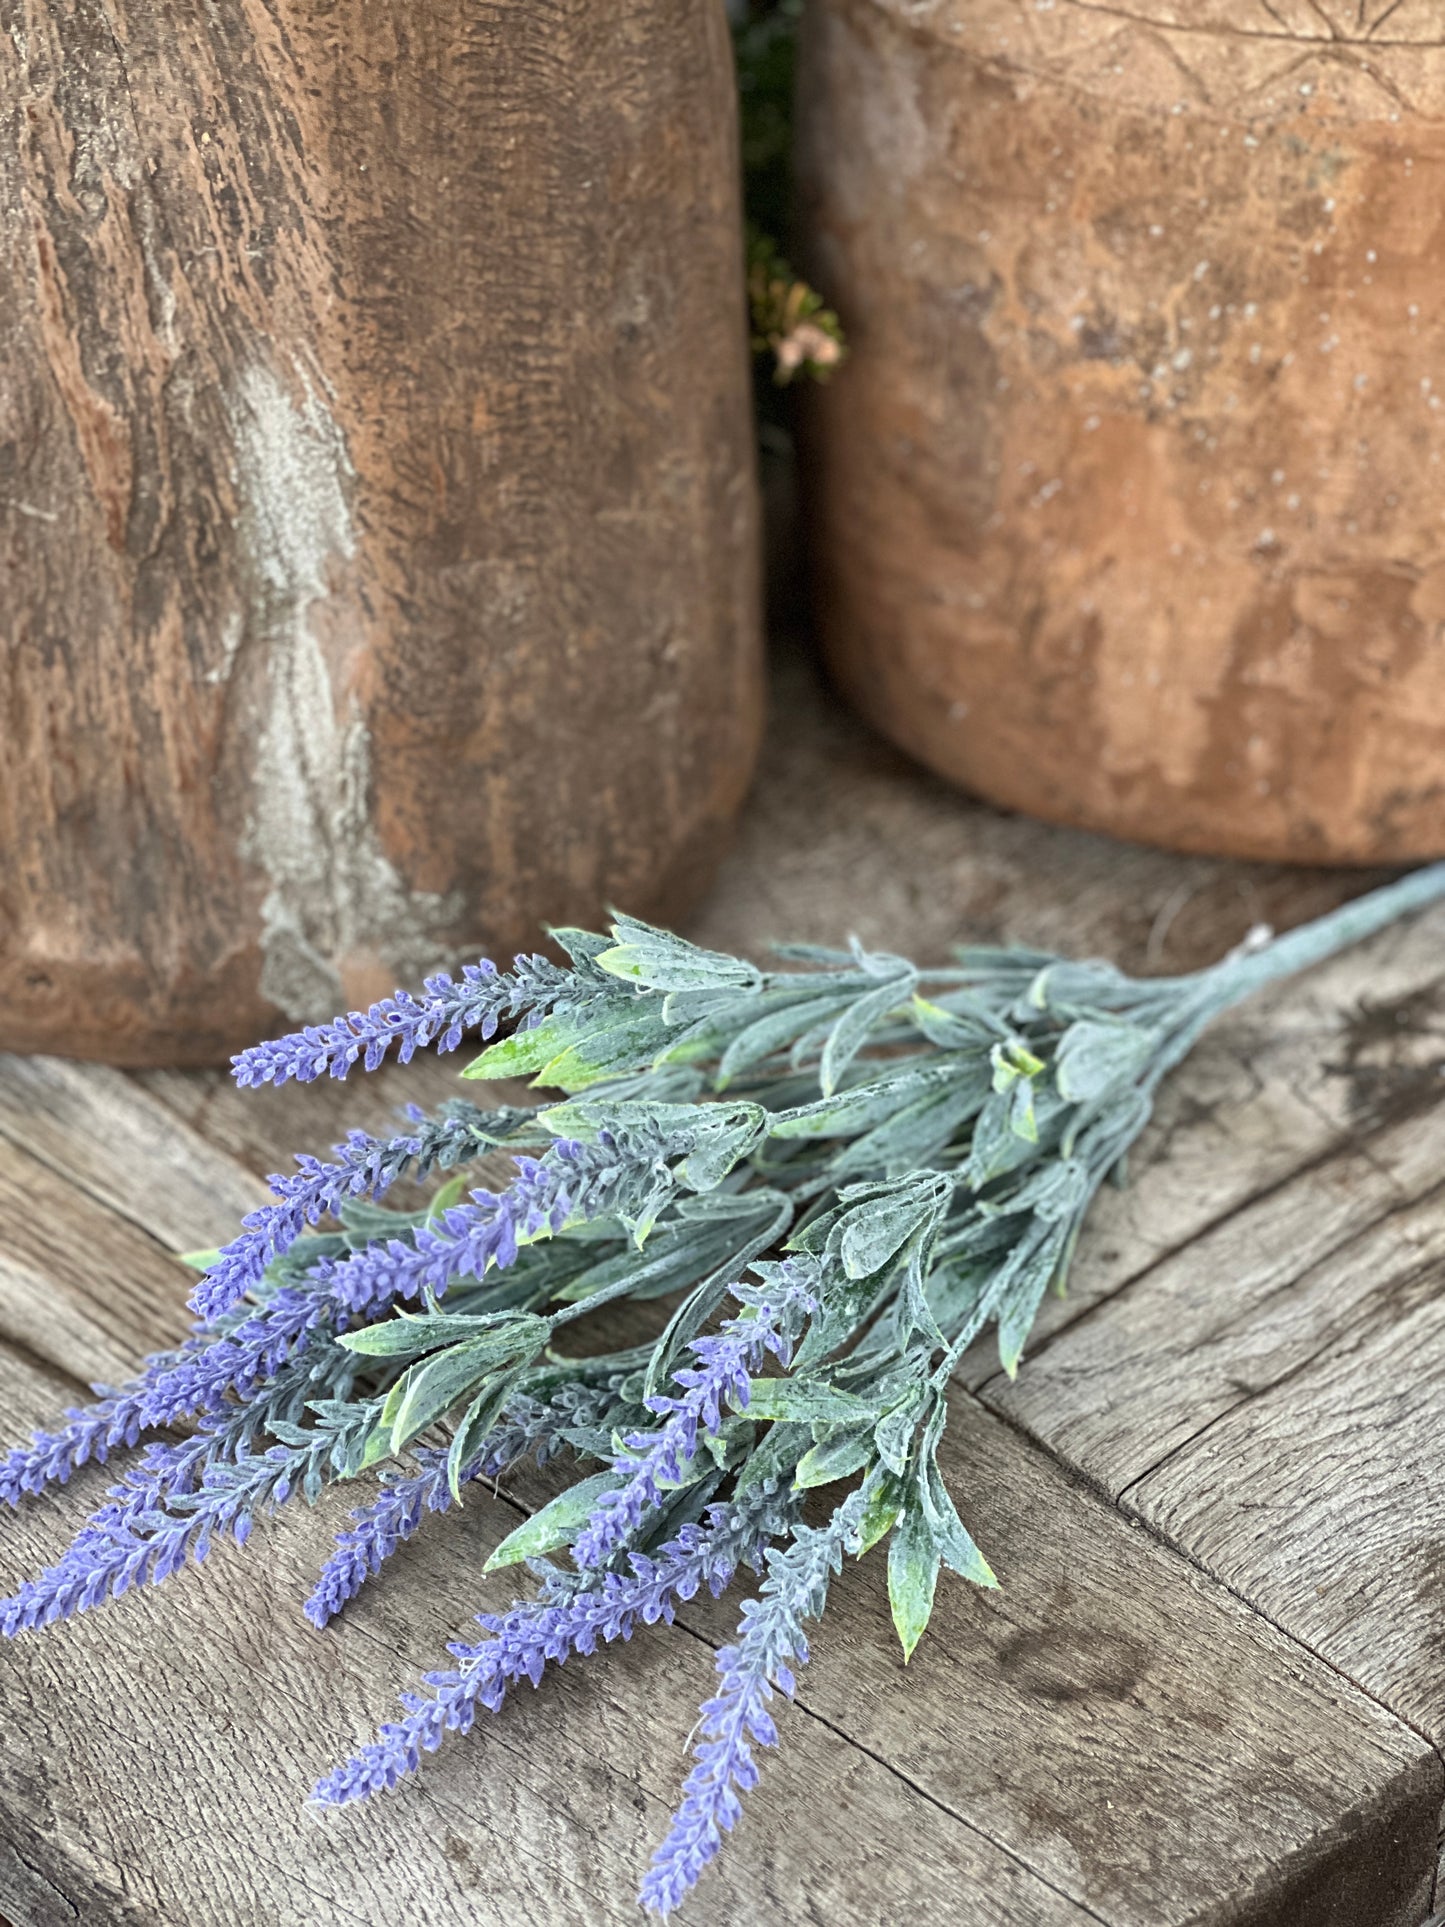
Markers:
{"x": 377, "y": 508}
{"x": 1129, "y": 504}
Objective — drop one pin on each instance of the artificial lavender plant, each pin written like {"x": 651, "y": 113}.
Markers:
{"x": 836, "y": 1174}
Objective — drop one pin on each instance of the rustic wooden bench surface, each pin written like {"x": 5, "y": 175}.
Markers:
{"x": 1212, "y": 1687}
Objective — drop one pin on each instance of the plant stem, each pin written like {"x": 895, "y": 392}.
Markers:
{"x": 1313, "y": 943}
{"x": 1229, "y": 982}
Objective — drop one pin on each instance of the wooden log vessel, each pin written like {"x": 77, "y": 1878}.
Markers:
{"x": 377, "y": 522}
{"x": 1129, "y": 505}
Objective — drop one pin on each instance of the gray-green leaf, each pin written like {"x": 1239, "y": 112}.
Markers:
{"x": 432, "y": 1387}
{"x": 557, "y": 1524}
{"x": 477, "y": 1425}
{"x": 913, "y": 1564}
{"x": 411, "y": 1333}
{"x": 1095, "y": 1058}
{"x": 838, "y": 1457}
{"x": 850, "y": 1033}
{"x": 808, "y": 1400}
{"x": 951, "y": 1538}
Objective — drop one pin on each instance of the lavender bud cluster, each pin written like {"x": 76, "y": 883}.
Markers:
{"x": 774, "y": 1313}
{"x": 445, "y": 1013}
{"x": 363, "y": 1167}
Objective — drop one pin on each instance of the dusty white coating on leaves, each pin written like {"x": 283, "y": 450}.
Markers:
{"x": 333, "y": 892}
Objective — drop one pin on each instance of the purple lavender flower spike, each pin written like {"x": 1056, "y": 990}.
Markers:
{"x": 380, "y": 1528}
{"x": 365, "y": 1166}
{"x": 571, "y": 1179}
{"x": 155, "y": 1520}
{"x": 443, "y": 1014}
{"x": 571, "y": 1616}
{"x": 91, "y": 1433}
{"x": 463, "y": 1241}
{"x": 201, "y": 1379}
{"x": 168, "y": 1508}
{"x": 773, "y": 1315}
{"x": 771, "y": 1644}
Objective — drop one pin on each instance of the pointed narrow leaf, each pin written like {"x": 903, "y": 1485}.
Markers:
{"x": 726, "y": 1134}
{"x": 779, "y": 1450}
{"x": 478, "y": 1423}
{"x": 878, "y": 1231}
{"x": 658, "y": 960}
{"x": 880, "y": 1511}
{"x": 1021, "y": 1307}
{"x": 971, "y": 1028}
{"x": 893, "y": 1437}
{"x": 850, "y": 1033}
{"x": 378, "y": 1443}
{"x": 808, "y": 1400}
{"x": 431, "y": 1388}
{"x": 411, "y": 1333}
{"x": 913, "y": 1564}
{"x": 525, "y": 1052}
{"x": 775, "y": 1030}
{"x": 838, "y": 1457}
{"x": 557, "y": 1524}
{"x": 850, "y": 1113}
{"x": 622, "y": 1042}
{"x": 951, "y": 1538}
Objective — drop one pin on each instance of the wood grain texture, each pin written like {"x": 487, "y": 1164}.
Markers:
{"x": 1252, "y": 1783}
{"x": 1314, "y": 1498}
{"x": 376, "y": 497}
{"x": 1267, "y": 1397}
{"x": 1000, "y": 1760}
{"x": 1239, "y": 1309}
{"x": 1121, "y": 1725}
{"x": 155, "y": 1765}
{"x": 125, "y": 1150}
{"x": 1126, "y": 503}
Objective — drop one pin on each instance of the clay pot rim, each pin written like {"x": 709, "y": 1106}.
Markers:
{"x": 939, "y": 28}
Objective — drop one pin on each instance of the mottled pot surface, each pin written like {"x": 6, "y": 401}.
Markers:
{"x": 1128, "y": 506}
{"x": 377, "y": 509}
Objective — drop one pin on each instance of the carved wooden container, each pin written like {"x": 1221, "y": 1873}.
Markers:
{"x": 1129, "y": 506}
{"x": 377, "y": 520}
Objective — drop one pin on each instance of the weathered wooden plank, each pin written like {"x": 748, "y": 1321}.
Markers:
{"x": 1010, "y": 1744}
{"x": 1119, "y": 1723}
{"x": 1269, "y": 1399}
{"x": 124, "y": 1148}
{"x": 155, "y": 1757}
{"x": 82, "y": 1291}
{"x": 1238, "y": 1310}
{"x": 1317, "y": 1498}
